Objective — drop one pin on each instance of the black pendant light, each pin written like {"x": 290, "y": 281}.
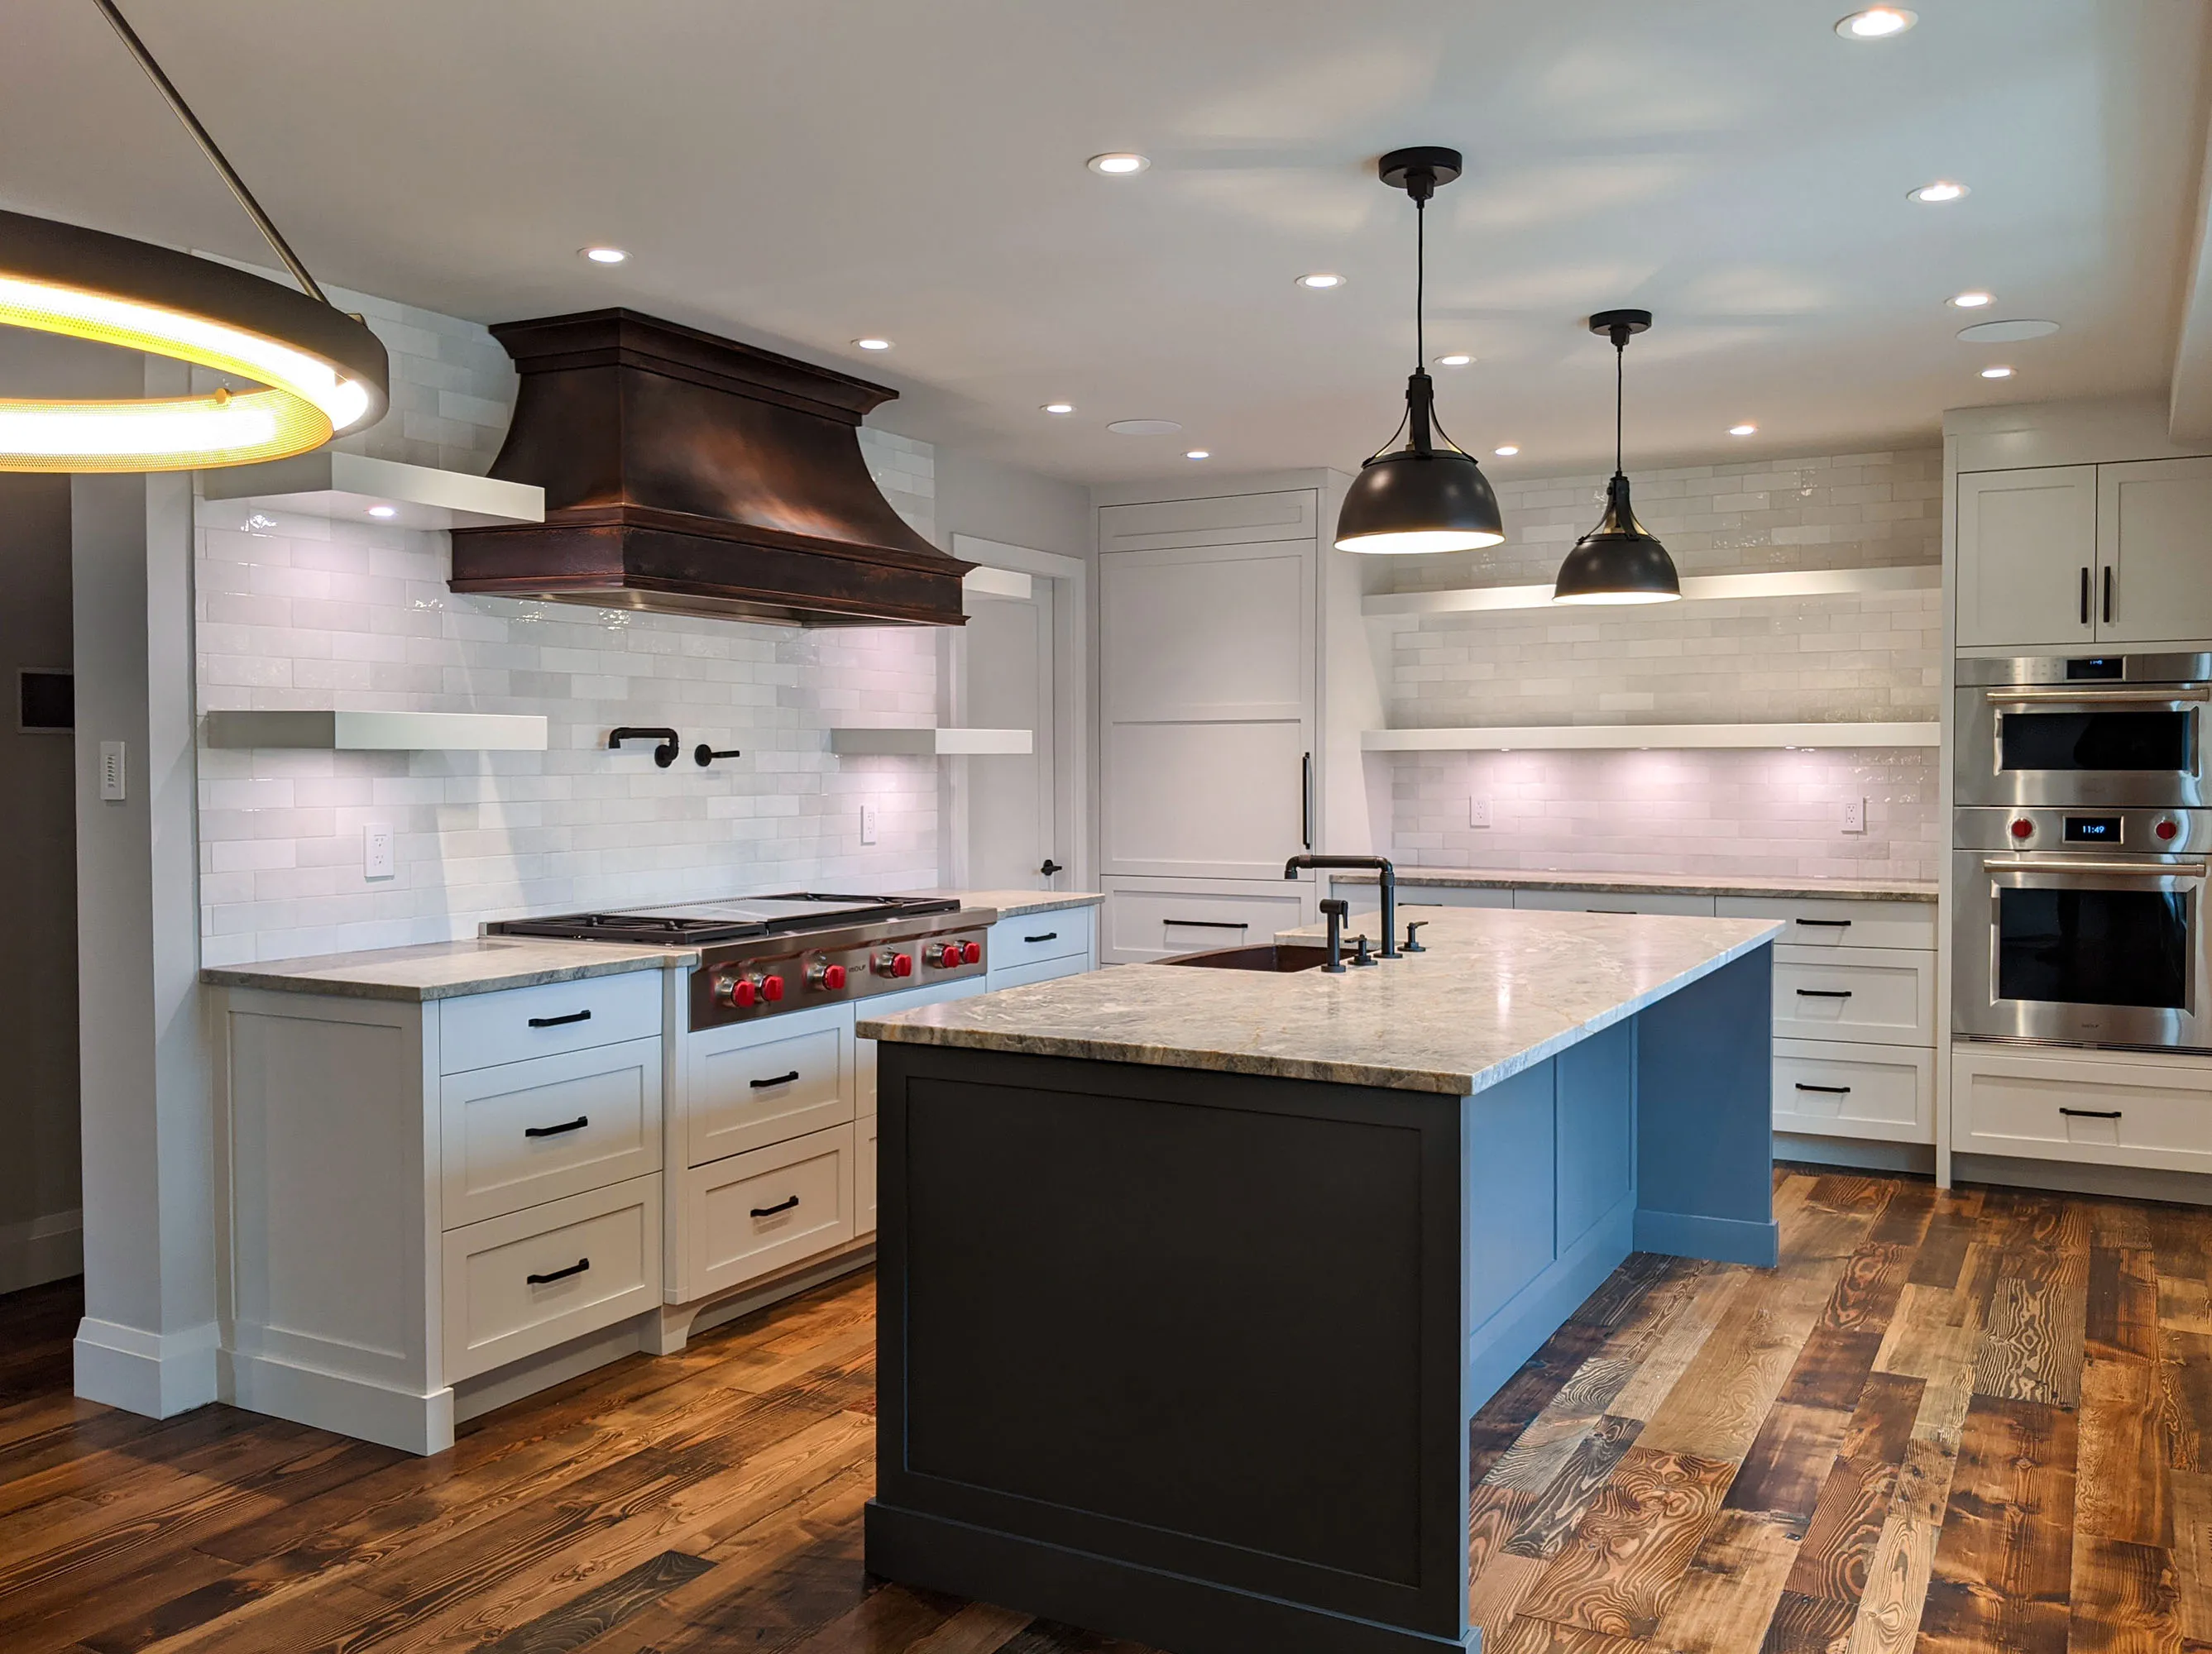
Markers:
{"x": 1619, "y": 560}
{"x": 1428, "y": 495}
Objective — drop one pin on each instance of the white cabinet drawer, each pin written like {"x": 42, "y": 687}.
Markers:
{"x": 1882, "y": 995}
{"x": 1045, "y": 969}
{"x": 754, "y": 1214}
{"x": 1365, "y": 897}
{"x": 2128, "y": 1111}
{"x": 513, "y": 1286}
{"x": 1614, "y": 901}
{"x": 1830, "y": 1089}
{"x": 481, "y": 1031}
{"x": 1146, "y": 921}
{"x": 1017, "y": 942}
{"x": 1839, "y": 924}
{"x": 864, "y": 1176}
{"x": 864, "y": 1051}
{"x": 526, "y": 1133}
{"x": 768, "y": 1081}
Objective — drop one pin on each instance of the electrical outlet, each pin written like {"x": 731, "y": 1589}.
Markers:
{"x": 1854, "y": 816}
{"x": 376, "y": 853}
{"x": 111, "y": 772}
{"x": 868, "y": 824}
{"x": 1478, "y": 812}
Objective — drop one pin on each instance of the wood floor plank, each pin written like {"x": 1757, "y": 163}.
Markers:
{"x": 2002, "y": 1575}
{"x": 2032, "y": 1342}
{"x": 978, "y": 1628}
{"x": 1807, "y": 1625}
{"x": 1725, "y": 1599}
{"x": 2191, "y": 1493}
{"x": 2121, "y": 1459}
{"x": 1550, "y": 1439}
{"x": 2123, "y": 1313}
{"x": 1715, "y": 1410}
{"x": 1834, "y": 1557}
{"x": 1633, "y": 1545}
{"x": 1789, "y": 1460}
{"x": 1557, "y": 1511}
{"x": 1526, "y": 1636}
{"x": 1498, "y": 1592}
{"x": 1492, "y": 1515}
{"x": 2125, "y": 1599}
{"x": 1888, "y": 1618}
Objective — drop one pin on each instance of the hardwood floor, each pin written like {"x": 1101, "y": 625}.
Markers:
{"x": 1973, "y": 1421}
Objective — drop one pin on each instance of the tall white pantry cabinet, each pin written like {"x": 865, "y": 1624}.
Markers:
{"x": 1234, "y": 678}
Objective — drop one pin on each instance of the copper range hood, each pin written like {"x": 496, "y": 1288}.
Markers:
{"x": 691, "y": 475}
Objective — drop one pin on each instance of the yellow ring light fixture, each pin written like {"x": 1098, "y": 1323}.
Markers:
{"x": 321, "y": 372}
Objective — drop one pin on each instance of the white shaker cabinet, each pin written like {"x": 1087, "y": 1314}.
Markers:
{"x": 2154, "y": 555}
{"x": 2028, "y": 557}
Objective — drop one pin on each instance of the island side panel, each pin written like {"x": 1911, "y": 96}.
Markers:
{"x": 1706, "y": 1117}
{"x": 1173, "y": 1355}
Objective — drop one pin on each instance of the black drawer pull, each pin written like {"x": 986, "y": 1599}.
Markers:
{"x": 1833, "y": 1091}
{"x": 576, "y": 1124}
{"x": 1210, "y": 924}
{"x": 1049, "y": 935}
{"x": 2091, "y": 1113}
{"x": 577, "y": 1268}
{"x": 1617, "y": 912}
{"x": 780, "y": 1206}
{"x": 780, "y": 1080}
{"x": 1828, "y": 924}
{"x": 560, "y": 1021}
{"x": 1824, "y": 993}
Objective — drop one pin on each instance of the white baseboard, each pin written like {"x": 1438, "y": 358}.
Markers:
{"x": 1860, "y": 1154}
{"x": 50, "y": 1247}
{"x": 2072, "y": 1177}
{"x": 157, "y": 1375}
{"x": 349, "y": 1407}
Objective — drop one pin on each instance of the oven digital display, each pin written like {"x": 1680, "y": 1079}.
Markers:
{"x": 2092, "y": 830}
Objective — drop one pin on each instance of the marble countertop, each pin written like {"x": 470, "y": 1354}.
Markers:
{"x": 1496, "y": 991}
{"x": 1678, "y": 884}
{"x": 447, "y": 970}
{"x": 1013, "y": 904}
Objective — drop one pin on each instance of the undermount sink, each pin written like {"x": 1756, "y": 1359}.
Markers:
{"x": 1278, "y": 956}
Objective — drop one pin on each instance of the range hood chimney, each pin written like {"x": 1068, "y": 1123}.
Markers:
{"x": 691, "y": 475}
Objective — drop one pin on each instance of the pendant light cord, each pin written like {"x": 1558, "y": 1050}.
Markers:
{"x": 1619, "y": 356}
{"x": 1420, "y": 282}
{"x": 183, "y": 111}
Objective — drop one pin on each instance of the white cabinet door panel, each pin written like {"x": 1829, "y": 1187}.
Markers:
{"x": 1220, "y": 520}
{"x": 2152, "y": 543}
{"x": 526, "y": 1133}
{"x": 1142, "y": 921}
{"x": 1829, "y": 1088}
{"x": 759, "y": 1211}
{"x": 2027, "y": 551}
{"x": 1205, "y": 800}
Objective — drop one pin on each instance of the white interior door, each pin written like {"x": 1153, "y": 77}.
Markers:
{"x": 1008, "y": 684}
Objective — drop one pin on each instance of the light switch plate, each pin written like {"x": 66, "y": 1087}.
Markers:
{"x": 1478, "y": 812}
{"x": 111, "y": 772}
{"x": 1854, "y": 816}
{"x": 867, "y": 824}
{"x": 377, "y": 860}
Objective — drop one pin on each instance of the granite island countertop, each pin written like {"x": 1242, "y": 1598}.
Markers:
{"x": 447, "y": 970}
{"x": 1496, "y": 991}
{"x": 1800, "y": 886}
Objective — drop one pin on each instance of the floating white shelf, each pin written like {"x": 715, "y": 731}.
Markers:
{"x": 1784, "y": 583}
{"x": 929, "y": 744}
{"x": 344, "y": 487}
{"x": 381, "y": 731}
{"x": 1617, "y": 737}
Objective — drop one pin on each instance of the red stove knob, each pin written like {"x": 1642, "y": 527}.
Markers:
{"x": 2022, "y": 828}
{"x": 972, "y": 952}
{"x": 2167, "y": 830}
{"x": 771, "y": 988}
{"x": 738, "y": 991}
{"x": 891, "y": 964}
{"x": 829, "y": 978}
{"x": 948, "y": 957}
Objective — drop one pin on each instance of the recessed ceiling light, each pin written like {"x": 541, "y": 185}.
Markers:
{"x": 384, "y": 511}
{"x": 1198, "y": 453}
{"x": 1942, "y": 189}
{"x": 1876, "y": 23}
{"x": 605, "y": 255}
{"x": 1060, "y": 408}
{"x": 1145, "y": 427}
{"x": 1507, "y": 452}
{"x": 1320, "y": 279}
{"x": 1997, "y": 373}
{"x": 1743, "y": 430}
{"x": 1118, "y": 163}
{"x": 1973, "y": 300}
{"x": 1457, "y": 359}
{"x": 874, "y": 344}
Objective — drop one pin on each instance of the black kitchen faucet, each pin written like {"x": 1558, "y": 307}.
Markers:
{"x": 1389, "y": 877}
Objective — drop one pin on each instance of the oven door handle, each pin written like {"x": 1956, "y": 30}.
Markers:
{"x": 2075, "y": 864}
{"x": 2066, "y": 697}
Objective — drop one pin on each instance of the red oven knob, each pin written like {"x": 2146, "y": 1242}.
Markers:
{"x": 737, "y": 990}
{"x": 771, "y": 989}
{"x": 891, "y": 964}
{"x": 2168, "y": 830}
{"x": 972, "y": 952}
{"x": 948, "y": 957}
{"x": 826, "y": 977}
{"x": 2022, "y": 828}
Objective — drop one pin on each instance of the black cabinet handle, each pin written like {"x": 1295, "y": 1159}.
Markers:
{"x": 1613, "y": 912}
{"x": 1050, "y": 867}
{"x": 1210, "y": 924}
{"x": 576, "y": 1124}
{"x": 1049, "y": 935}
{"x": 1824, "y": 993}
{"x": 780, "y": 1080}
{"x": 577, "y": 1268}
{"x": 1826, "y": 924}
{"x": 560, "y": 1021}
{"x": 2091, "y": 1113}
{"x": 2108, "y": 594}
{"x": 702, "y": 755}
{"x": 1306, "y": 801}
{"x": 2085, "y": 595}
{"x": 780, "y": 1206}
{"x": 1833, "y": 1091}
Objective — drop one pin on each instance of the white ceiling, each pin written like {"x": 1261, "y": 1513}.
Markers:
{"x": 799, "y": 173}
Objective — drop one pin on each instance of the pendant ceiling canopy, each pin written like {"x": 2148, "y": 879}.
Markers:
{"x": 1619, "y": 560}
{"x": 321, "y": 372}
{"x": 1430, "y": 495}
